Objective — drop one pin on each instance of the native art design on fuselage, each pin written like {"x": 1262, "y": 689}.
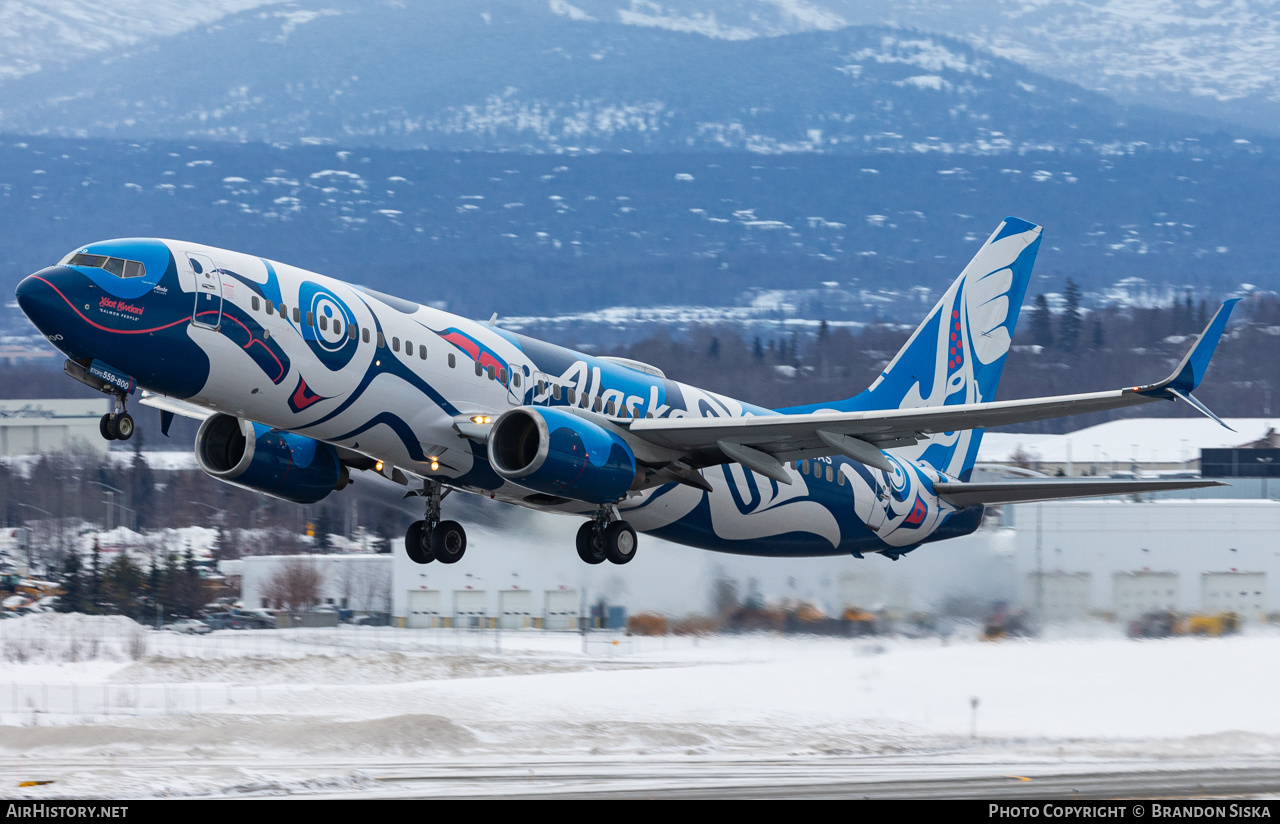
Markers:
{"x": 302, "y": 353}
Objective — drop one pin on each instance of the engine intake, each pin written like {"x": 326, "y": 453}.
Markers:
{"x": 553, "y": 451}
{"x": 280, "y": 464}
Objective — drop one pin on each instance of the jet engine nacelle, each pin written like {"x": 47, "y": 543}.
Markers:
{"x": 280, "y": 464}
{"x": 556, "y": 452}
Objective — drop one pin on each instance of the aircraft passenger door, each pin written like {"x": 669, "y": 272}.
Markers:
{"x": 207, "y": 311}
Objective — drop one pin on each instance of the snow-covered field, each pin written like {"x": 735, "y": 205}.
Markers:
{"x": 101, "y": 708}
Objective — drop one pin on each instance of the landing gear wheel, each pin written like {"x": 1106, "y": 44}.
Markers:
{"x": 122, "y": 426}
{"x": 448, "y": 542}
{"x": 417, "y": 543}
{"x": 105, "y": 428}
{"x": 619, "y": 542}
{"x": 589, "y": 546}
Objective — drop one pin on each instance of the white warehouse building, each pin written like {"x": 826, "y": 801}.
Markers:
{"x": 1123, "y": 558}
{"x": 30, "y": 427}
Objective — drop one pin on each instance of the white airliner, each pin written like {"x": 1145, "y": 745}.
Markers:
{"x": 300, "y": 379}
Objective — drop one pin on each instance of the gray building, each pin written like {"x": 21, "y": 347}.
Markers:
{"x": 30, "y": 427}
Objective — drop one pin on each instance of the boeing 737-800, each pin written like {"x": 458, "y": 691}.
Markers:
{"x": 301, "y": 378}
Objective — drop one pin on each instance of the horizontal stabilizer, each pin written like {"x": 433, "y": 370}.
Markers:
{"x": 1054, "y": 489}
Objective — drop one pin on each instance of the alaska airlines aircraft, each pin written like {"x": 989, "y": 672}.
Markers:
{"x": 300, "y": 379}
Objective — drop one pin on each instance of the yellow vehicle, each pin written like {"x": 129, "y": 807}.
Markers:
{"x": 1213, "y": 625}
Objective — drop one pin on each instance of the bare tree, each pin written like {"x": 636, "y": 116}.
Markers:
{"x": 295, "y": 584}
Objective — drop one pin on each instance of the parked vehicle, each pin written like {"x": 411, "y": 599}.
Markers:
{"x": 189, "y": 626}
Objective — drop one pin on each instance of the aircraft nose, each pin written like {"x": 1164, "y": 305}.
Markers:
{"x": 39, "y": 297}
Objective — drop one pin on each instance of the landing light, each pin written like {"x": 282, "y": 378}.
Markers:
{"x": 378, "y": 466}
{"x": 480, "y": 419}
{"x": 435, "y": 464}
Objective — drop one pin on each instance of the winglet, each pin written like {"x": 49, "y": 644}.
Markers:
{"x": 1190, "y": 372}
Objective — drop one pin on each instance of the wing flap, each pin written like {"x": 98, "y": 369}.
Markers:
{"x": 1055, "y": 489}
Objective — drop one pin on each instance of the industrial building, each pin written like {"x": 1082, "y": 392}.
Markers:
{"x": 30, "y": 427}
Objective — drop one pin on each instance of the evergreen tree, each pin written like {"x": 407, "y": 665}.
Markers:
{"x": 1042, "y": 323}
{"x": 72, "y": 598}
{"x": 95, "y": 581}
{"x": 1070, "y": 322}
{"x": 1099, "y": 341}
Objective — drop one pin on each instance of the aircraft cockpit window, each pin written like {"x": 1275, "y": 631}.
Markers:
{"x": 116, "y": 266}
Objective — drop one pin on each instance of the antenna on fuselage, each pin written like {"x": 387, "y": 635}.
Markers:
{"x": 492, "y": 320}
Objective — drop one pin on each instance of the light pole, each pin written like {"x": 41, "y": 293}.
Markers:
{"x": 1266, "y": 473}
{"x": 30, "y": 558}
{"x": 222, "y": 522}
{"x": 111, "y": 503}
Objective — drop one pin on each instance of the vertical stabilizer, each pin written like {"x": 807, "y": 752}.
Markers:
{"x": 957, "y": 354}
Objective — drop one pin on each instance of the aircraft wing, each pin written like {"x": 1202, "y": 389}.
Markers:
{"x": 761, "y": 443}
{"x": 1052, "y": 489}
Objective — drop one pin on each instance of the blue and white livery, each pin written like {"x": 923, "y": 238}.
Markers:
{"x": 300, "y": 379}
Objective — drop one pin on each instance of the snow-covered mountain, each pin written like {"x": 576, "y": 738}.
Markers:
{"x": 523, "y": 77}
{"x": 1191, "y": 56}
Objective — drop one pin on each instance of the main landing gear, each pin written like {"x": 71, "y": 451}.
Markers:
{"x": 117, "y": 425}
{"x": 433, "y": 539}
{"x": 606, "y": 538}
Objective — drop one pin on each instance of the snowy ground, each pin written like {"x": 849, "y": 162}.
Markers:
{"x": 333, "y": 710}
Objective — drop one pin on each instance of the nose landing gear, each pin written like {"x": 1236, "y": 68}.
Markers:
{"x": 432, "y": 539}
{"x": 116, "y": 426}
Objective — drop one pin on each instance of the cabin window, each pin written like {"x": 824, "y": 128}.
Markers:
{"x": 351, "y": 332}
{"x": 572, "y": 395}
{"x": 829, "y": 478}
{"x": 555, "y": 391}
{"x": 270, "y": 308}
{"x": 542, "y": 387}
{"x": 408, "y": 348}
{"x": 515, "y": 378}
{"x": 612, "y": 408}
{"x": 311, "y": 319}
{"x": 266, "y": 334}
{"x": 382, "y": 341}
{"x": 479, "y": 369}
{"x": 493, "y": 373}
{"x": 337, "y": 326}
{"x": 422, "y": 351}
{"x": 452, "y": 361}
{"x": 502, "y": 375}
{"x": 804, "y": 467}
{"x": 324, "y": 324}
{"x": 297, "y": 315}
{"x": 395, "y": 344}
{"x": 284, "y": 311}
{"x": 840, "y": 478}
{"x": 255, "y": 303}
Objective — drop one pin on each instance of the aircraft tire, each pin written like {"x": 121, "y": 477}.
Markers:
{"x": 416, "y": 543}
{"x": 122, "y": 426}
{"x": 587, "y": 545}
{"x": 448, "y": 542}
{"x": 105, "y": 428}
{"x": 620, "y": 542}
